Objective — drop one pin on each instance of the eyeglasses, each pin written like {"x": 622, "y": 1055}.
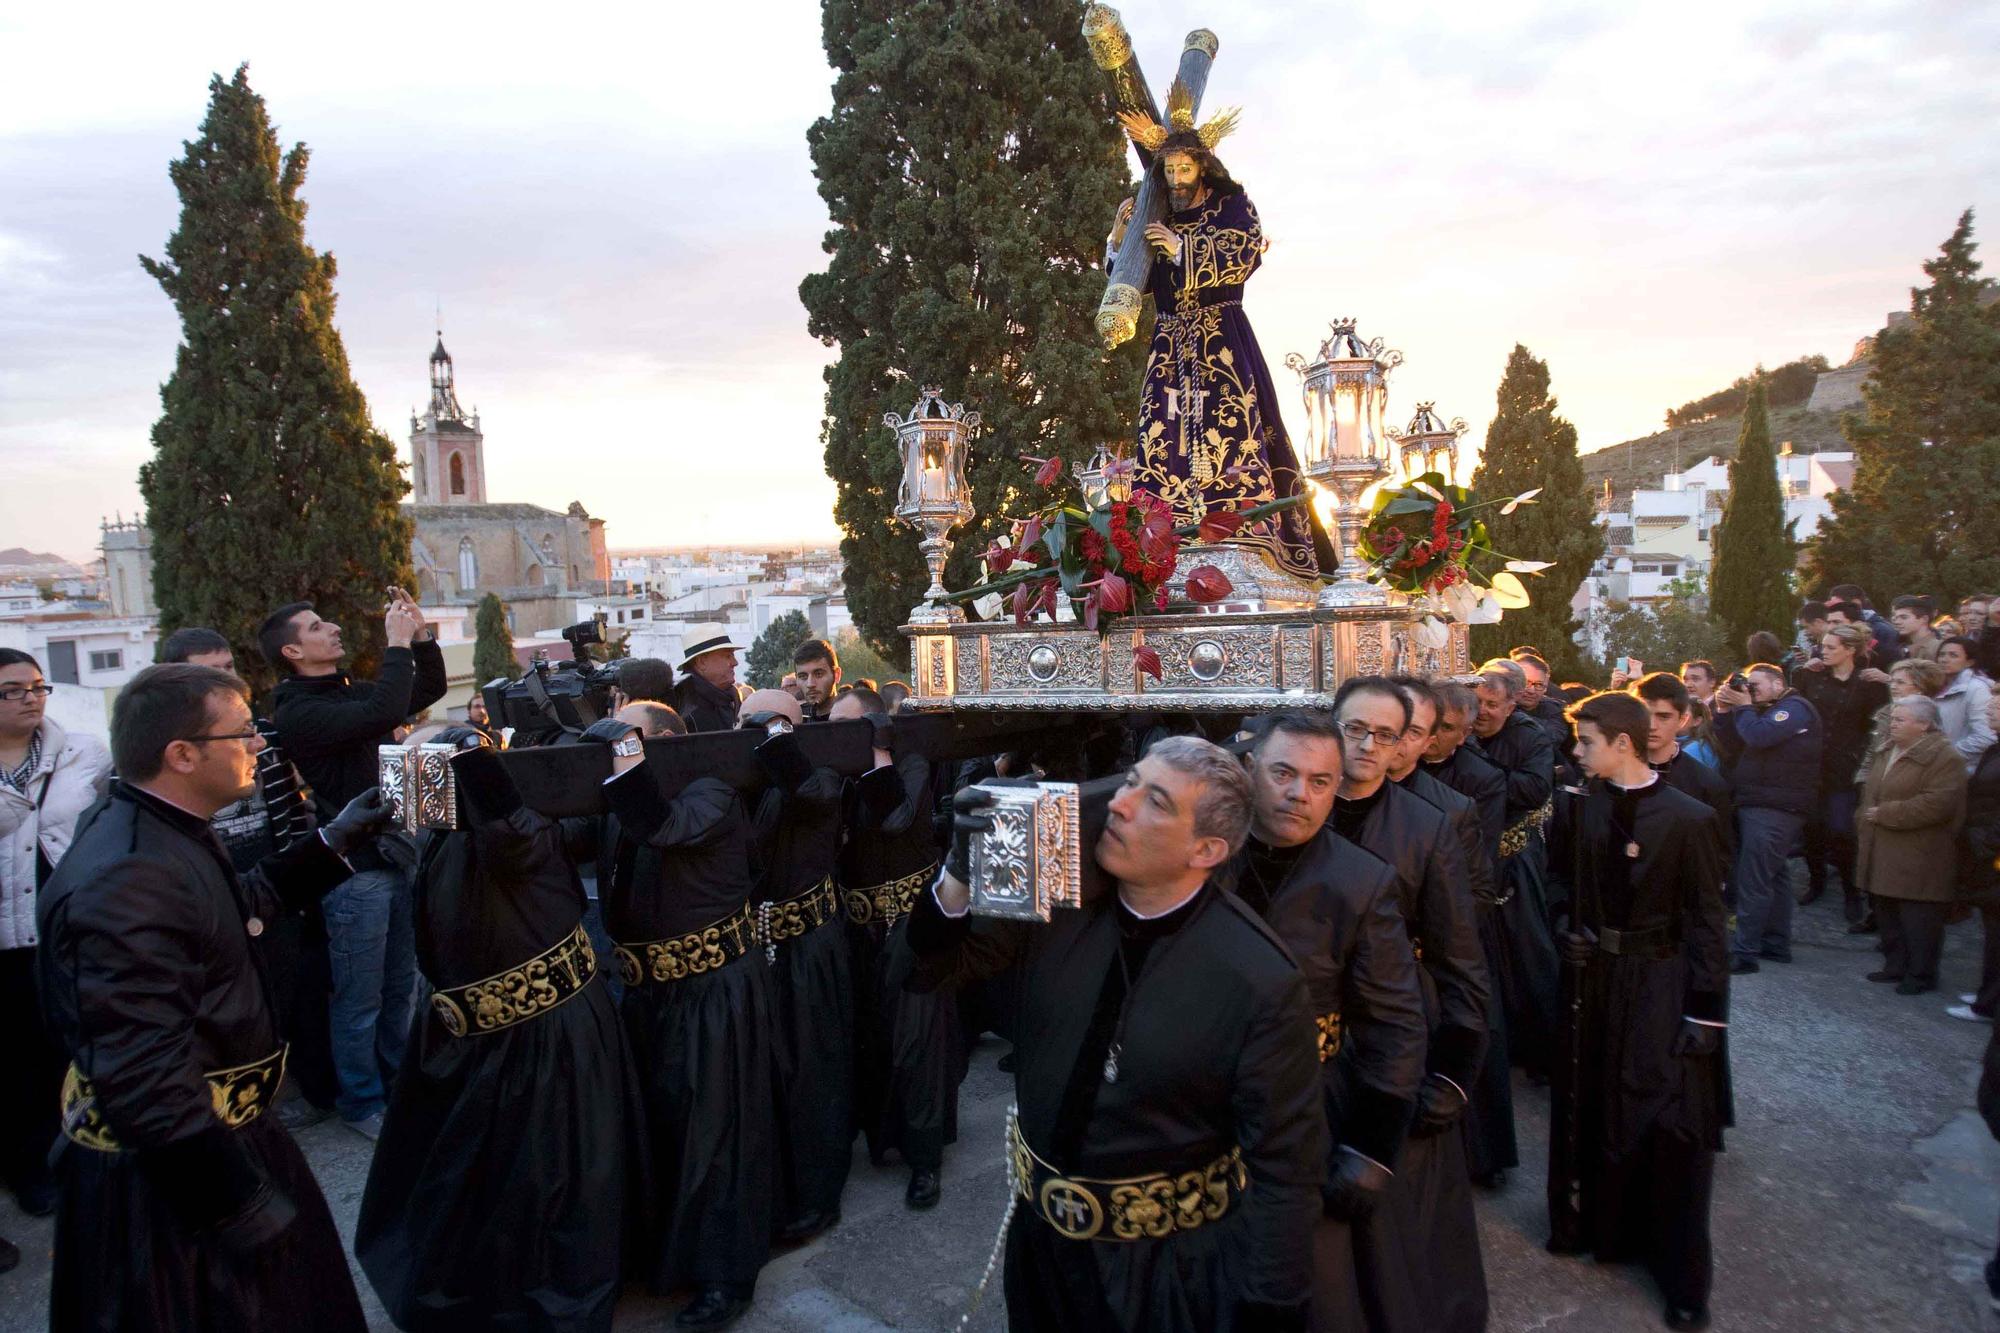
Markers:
{"x": 245, "y": 736}
{"x": 1359, "y": 732}
{"x": 14, "y": 694}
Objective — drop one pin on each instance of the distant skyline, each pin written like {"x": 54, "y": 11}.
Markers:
{"x": 615, "y": 211}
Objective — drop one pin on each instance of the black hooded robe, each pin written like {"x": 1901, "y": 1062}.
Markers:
{"x": 1530, "y": 976}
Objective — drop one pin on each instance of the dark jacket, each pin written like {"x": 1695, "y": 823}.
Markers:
{"x": 1465, "y": 818}
{"x": 1981, "y": 876}
{"x": 705, "y": 707}
{"x": 1889, "y": 648}
{"x": 1524, "y": 751}
{"x": 331, "y": 725}
{"x": 1472, "y": 775}
{"x": 1846, "y": 711}
{"x": 1779, "y": 764}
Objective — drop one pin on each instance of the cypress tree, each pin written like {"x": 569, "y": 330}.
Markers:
{"x": 1527, "y": 447}
{"x": 1751, "y": 584}
{"x": 971, "y": 168}
{"x": 1920, "y": 516}
{"x": 493, "y": 644}
{"x": 268, "y": 483}
{"x": 771, "y": 653}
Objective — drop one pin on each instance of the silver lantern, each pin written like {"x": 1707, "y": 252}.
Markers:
{"x": 1098, "y": 481}
{"x": 1348, "y": 447}
{"x": 934, "y": 497}
{"x": 1430, "y": 443}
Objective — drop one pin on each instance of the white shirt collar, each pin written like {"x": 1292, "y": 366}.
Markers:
{"x": 1164, "y": 911}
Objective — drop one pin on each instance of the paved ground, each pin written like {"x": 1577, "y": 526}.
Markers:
{"x": 1858, "y": 1192}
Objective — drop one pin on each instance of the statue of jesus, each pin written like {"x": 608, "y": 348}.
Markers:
{"x": 1209, "y": 435}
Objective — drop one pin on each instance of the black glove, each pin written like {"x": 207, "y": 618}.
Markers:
{"x": 1356, "y": 1187}
{"x": 1440, "y": 1103}
{"x": 1578, "y": 947}
{"x": 1697, "y": 1039}
{"x": 884, "y": 728}
{"x": 606, "y": 731}
{"x": 783, "y": 762}
{"x": 969, "y": 818}
{"x": 365, "y": 816}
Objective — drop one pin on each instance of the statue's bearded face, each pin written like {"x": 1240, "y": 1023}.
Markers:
{"x": 1183, "y": 175}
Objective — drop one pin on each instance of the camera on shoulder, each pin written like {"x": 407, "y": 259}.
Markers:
{"x": 555, "y": 701}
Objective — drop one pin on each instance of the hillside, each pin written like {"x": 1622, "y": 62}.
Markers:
{"x": 1642, "y": 462}
{"x": 15, "y": 555}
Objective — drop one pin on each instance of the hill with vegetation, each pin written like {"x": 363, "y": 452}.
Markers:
{"x": 1644, "y": 461}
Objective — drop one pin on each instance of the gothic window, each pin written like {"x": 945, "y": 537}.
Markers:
{"x": 423, "y": 479}
{"x": 468, "y": 564}
{"x": 458, "y": 474}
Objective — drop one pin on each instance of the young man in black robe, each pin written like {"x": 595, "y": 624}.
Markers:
{"x": 1643, "y": 866}
{"x": 1334, "y": 906}
{"x": 182, "y": 1202}
{"x": 1422, "y": 1269}
{"x": 700, "y": 1011}
{"x": 510, "y": 1183}
{"x": 1666, "y": 700}
{"x": 1170, "y": 1142}
{"x": 909, "y": 1055}
{"x": 796, "y": 837}
{"x": 1529, "y": 976}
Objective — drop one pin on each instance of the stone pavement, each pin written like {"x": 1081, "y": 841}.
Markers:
{"x": 1858, "y": 1193}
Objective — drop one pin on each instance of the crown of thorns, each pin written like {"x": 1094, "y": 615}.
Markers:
{"x": 1149, "y": 134}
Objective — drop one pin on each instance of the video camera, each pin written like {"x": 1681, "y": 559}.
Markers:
{"x": 555, "y": 700}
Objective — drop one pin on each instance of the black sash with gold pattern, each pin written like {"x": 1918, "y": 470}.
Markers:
{"x": 891, "y": 902}
{"x": 535, "y": 987}
{"x": 239, "y": 1095}
{"x": 1329, "y": 1034}
{"x": 1139, "y": 1208}
{"x": 789, "y": 918}
{"x": 1515, "y": 840}
{"x": 705, "y": 950}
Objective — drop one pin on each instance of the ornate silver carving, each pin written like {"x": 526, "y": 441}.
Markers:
{"x": 1011, "y": 660}
{"x": 1254, "y": 585}
{"x": 389, "y": 777}
{"x": 1297, "y": 657}
{"x": 1205, "y": 660}
{"x": 1240, "y": 658}
{"x": 1044, "y": 662}
{"x": 418, "y": 785}
{"x": 1030, "y": 862}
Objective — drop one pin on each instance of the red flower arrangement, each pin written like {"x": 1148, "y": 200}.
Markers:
{"x": 1424, "y": 539}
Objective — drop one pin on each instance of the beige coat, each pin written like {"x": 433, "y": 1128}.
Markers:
{"x": 1909, "y": 818}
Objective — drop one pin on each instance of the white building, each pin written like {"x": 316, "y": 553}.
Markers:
{"x": 87, "y": 660}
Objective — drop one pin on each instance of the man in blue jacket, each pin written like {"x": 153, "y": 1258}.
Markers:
{"x": 1776, "y": 779}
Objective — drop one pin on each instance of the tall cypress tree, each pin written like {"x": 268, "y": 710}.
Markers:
{"x": 1751, "y": 584}
{"x": 1920, "y": 516}
{"x": 268, "y": 483}
{"x": 1529, "y": 447}
{"x": 971, "y": 168}
{"x": 493, "y": 644}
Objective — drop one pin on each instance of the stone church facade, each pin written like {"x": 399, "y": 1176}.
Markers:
{"x": 538, "y": 561}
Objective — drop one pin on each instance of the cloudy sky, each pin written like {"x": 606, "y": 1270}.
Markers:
{"x": 614, "y": 207}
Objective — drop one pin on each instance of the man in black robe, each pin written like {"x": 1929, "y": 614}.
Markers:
{"x": 1422, "y": 1269}
{"x": 796, "y": 837}
{"x": 909, "y": 1056}
{"x": 1667, "y": 704}
{"x": 700, "y": 1010}
{"x": 1529, "y": 976}
{"x": 510, "y": 1182}
{"x": 182, "y": 1204}
{"x": 1643, "y": 865}
{"x": 1168, "y": 1166}
{"x": 1334, "y": 906}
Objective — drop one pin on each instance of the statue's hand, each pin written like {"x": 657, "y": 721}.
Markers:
{"x": 1165, "y": 240}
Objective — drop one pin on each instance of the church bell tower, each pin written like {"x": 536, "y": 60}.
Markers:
{"x": 447, "y": 457}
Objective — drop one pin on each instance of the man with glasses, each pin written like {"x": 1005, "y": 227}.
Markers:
{"x": 183, "y": 1204}
{"x": 1422, "y": 1244}
{"x": 332, "y": 726}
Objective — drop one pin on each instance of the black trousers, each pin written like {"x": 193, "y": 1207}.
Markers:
{"x": 301, "y": 976}
{"x": 1987, "y": 1001}
{"x": 1912, "y": 937}
{"x": 29, "y": 1095}
{"x": 1830, "y": 838}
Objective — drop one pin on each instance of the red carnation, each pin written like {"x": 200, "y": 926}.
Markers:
{"x": 1092, "y": 548}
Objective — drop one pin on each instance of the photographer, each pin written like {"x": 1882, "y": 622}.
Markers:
{"x": 332, "y": 725}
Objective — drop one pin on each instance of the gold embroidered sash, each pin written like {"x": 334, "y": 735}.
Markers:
{"x": 1329, "y": 1035}
{"x": 1139, "y": 1208}
{"x": 1515, "y": 840}
{"x": 535, "y": 987}
{"x": 705, "y": 950}
{"x": 891, "y": 902}
{"x": 238, "y": 1095}
{"x": 789, "y": 918}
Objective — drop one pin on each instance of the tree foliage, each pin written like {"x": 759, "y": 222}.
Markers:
{"x": 1662, "y": 635}
{"x": 1787, "y": 386}
{"x": 1530, "y": 447}
{"x": 1920, "y": 516}
{"x": 268, "y": 484}
{"x": 971, "y": 167}
{"x": 771, "y": 655}
{"x": 1754, "y": 554}
{"x": 493, "y": 646}
{"x": 858, "y": 661}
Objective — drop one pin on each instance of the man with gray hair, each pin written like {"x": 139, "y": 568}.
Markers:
{"x": 1165, "y": 1036}
{"x": 1530, "y": 975}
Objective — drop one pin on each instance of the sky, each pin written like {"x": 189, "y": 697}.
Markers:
{"x": 613, "y": 207}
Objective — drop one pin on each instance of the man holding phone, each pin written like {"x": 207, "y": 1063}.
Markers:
{"x": 1776, "y": 779}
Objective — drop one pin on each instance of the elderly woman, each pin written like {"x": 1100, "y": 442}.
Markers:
{"x": 1962, "y": 701}
{"x": 1912, "y": 803}
{"x": 47, "y": 778}
{"x": 1908, "y": 679}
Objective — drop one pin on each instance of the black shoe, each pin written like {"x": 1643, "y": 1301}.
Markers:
{"x": 1865, "y": 926}
{"x": 1496, "y": 1179}
{"x": 1564, "y": 1245}
{"x": 802, "y": 1229}
{"x": 1686, "y": 1316}
{"x": 10, "y": 1258}
{"x": 1775, "y": 957}
{"x": 1811, "y": 894}
{"x": 1741, "y": 966}
{"x": 714, "y": 1307}
{"x": 37, "y": 1200}
{"x": 923, "y": 1191}
{"x": 1913, "y": 987}
{"x": 1885, "y": 976}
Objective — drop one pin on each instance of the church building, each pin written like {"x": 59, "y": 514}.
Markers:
{"x": 539, "y": 561}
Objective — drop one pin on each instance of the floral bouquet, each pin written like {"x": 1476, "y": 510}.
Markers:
{"x": 1428, "y": 541}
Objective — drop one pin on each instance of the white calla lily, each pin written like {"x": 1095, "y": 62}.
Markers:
{"x": 1524, "y": 498}
{"x": 1460, "y": 601}
{"x": 1487, "y": 612}
{"x": 989, "y": 606}
{"x": 1430, "y": 632}
{"x": 1509, "y": 592}
{"x": 1530, "y": 566}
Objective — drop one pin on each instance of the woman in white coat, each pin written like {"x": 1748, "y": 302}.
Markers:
{"x": 47, "y": 779}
